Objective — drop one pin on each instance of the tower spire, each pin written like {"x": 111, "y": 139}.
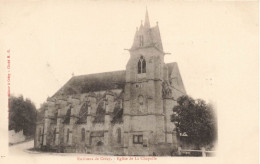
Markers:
{"x": 146, "y": 21}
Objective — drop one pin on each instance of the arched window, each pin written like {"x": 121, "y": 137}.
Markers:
{"x": 54, "y": 135}
{"x": 83, "y": 134}
{"x": 141, "y": 65}
{"x": 83, "y": 113}
{"x": 101, "y": 112}
{"x": 68, "y": 135}
{"x": 67, "y": 117}
{"x": 55, "y": 117}
{"x": 118, "y": 131}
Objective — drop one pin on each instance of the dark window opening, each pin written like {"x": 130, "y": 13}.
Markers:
{"x": 83, "y": 134}
{"x": 138, "y": 139}
{"x": 100, "y": 143}
{"x": 55, "y": 118}
{"x": 83, "y": 113}
{"x": 67, "y": 117}
{"x": 68, "y": 135}
{"x": 119, "y": 135}
{"x": 141, "y": 65}
{"x": 100, "y": 114}
{"x": 54, "y": 135}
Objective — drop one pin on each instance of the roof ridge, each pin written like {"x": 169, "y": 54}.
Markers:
{"x": 172, "y": 63}
{"x": 98, "y": 73}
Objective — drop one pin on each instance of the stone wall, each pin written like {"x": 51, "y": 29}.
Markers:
{"x": 16, "y": 137}
{"x": 60, "y": 129}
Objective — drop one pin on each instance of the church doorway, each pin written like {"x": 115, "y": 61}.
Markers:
{"x": 99, "y": 147}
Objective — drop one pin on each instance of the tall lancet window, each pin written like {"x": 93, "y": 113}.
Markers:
{"x": 118, "y": 131}
{"x": 83, "y": 134}
{"x": 54, "y": 135}
{"x": 68, "y": 135}
{"x": 67, "y": 117}
{"x": 141, "y": 65}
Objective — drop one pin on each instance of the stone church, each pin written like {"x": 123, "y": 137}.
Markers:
{"x": 124, "y": 112}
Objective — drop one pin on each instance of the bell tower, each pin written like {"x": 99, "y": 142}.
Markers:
{"x": 143, "y": 103}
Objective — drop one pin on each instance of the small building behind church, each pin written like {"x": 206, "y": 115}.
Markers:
{"x": 124, "y": 112}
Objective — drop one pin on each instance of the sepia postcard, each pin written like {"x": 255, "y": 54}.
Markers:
{"x": 129, "y": 81}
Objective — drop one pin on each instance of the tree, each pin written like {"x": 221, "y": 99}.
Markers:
{"x": 196, "y": 119}
{"x": 22, "y": 115}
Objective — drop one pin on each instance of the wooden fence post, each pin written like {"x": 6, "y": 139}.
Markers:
{"x": 203, "y": 152}
{"x": 179, "y": 151}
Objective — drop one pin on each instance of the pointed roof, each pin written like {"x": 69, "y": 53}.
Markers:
{"x": 174, "y": 73}
{"x": 147, "y": 36}
{"x": 146, "y": 21}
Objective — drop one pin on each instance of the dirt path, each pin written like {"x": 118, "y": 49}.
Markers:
{"x": 21, "y": 149}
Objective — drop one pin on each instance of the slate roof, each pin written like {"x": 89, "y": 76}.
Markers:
{"x": 117, "y": 116}
{"x": 108, "y": 81}
{"x": 93, "y": 82}
{"x": 173, "y": 72}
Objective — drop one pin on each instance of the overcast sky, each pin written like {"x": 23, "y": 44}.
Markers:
{"x": 49, "y": 41}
